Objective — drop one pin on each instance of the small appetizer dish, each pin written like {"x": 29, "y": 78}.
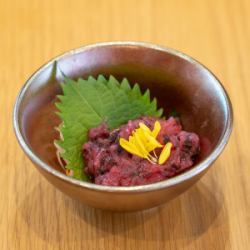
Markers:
{"x": 123, "y": 126}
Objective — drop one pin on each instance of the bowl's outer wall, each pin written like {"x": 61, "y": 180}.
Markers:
{"x": 176, "y": 82}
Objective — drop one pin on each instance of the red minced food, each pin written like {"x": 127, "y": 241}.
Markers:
{"x": 107, "y": 163}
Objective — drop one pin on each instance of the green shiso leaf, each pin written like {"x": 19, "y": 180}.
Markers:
{"x": 87, "y": 103}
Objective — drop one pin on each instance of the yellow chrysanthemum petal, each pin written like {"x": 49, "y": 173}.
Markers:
{"x": 149, "y": 142}
{"x": 140, "y": 132}
{"x": 152, "y": 141}
{"x": 130, "y": 147}
{"x": 156, "y": 130}
{"x": 144, "y": 127}
{"x": 165, "y": 153}
{"x": 133, "y": 140}
{"x": 140, "y": 145}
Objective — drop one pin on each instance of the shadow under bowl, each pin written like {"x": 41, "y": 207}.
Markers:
{"x": 178, "y": 81}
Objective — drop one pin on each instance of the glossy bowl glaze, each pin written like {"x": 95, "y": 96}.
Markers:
{"x": 178, "y": 81}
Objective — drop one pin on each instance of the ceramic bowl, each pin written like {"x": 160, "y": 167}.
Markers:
{"x": 178, "y": 81}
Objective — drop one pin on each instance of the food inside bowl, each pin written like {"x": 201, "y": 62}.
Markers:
{"x": 112, "y": 134}
{"x": 108, "y": 163}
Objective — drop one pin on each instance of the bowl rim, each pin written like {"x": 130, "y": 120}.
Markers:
{"x": 200, "y": 167}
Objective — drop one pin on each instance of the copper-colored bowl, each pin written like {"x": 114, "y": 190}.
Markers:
{"x": 178, "y": 81}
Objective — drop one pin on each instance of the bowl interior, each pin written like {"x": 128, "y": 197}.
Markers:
{"x": 178, "y": 82}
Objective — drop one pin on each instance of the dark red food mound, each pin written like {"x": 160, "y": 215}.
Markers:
{"x": 106, "y": 163}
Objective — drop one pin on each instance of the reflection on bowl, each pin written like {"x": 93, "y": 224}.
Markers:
{"x": 178, "y": 81}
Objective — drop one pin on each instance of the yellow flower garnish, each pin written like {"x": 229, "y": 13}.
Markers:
{"x": 143, "y": 141}
{"x": 165, "y": 153}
